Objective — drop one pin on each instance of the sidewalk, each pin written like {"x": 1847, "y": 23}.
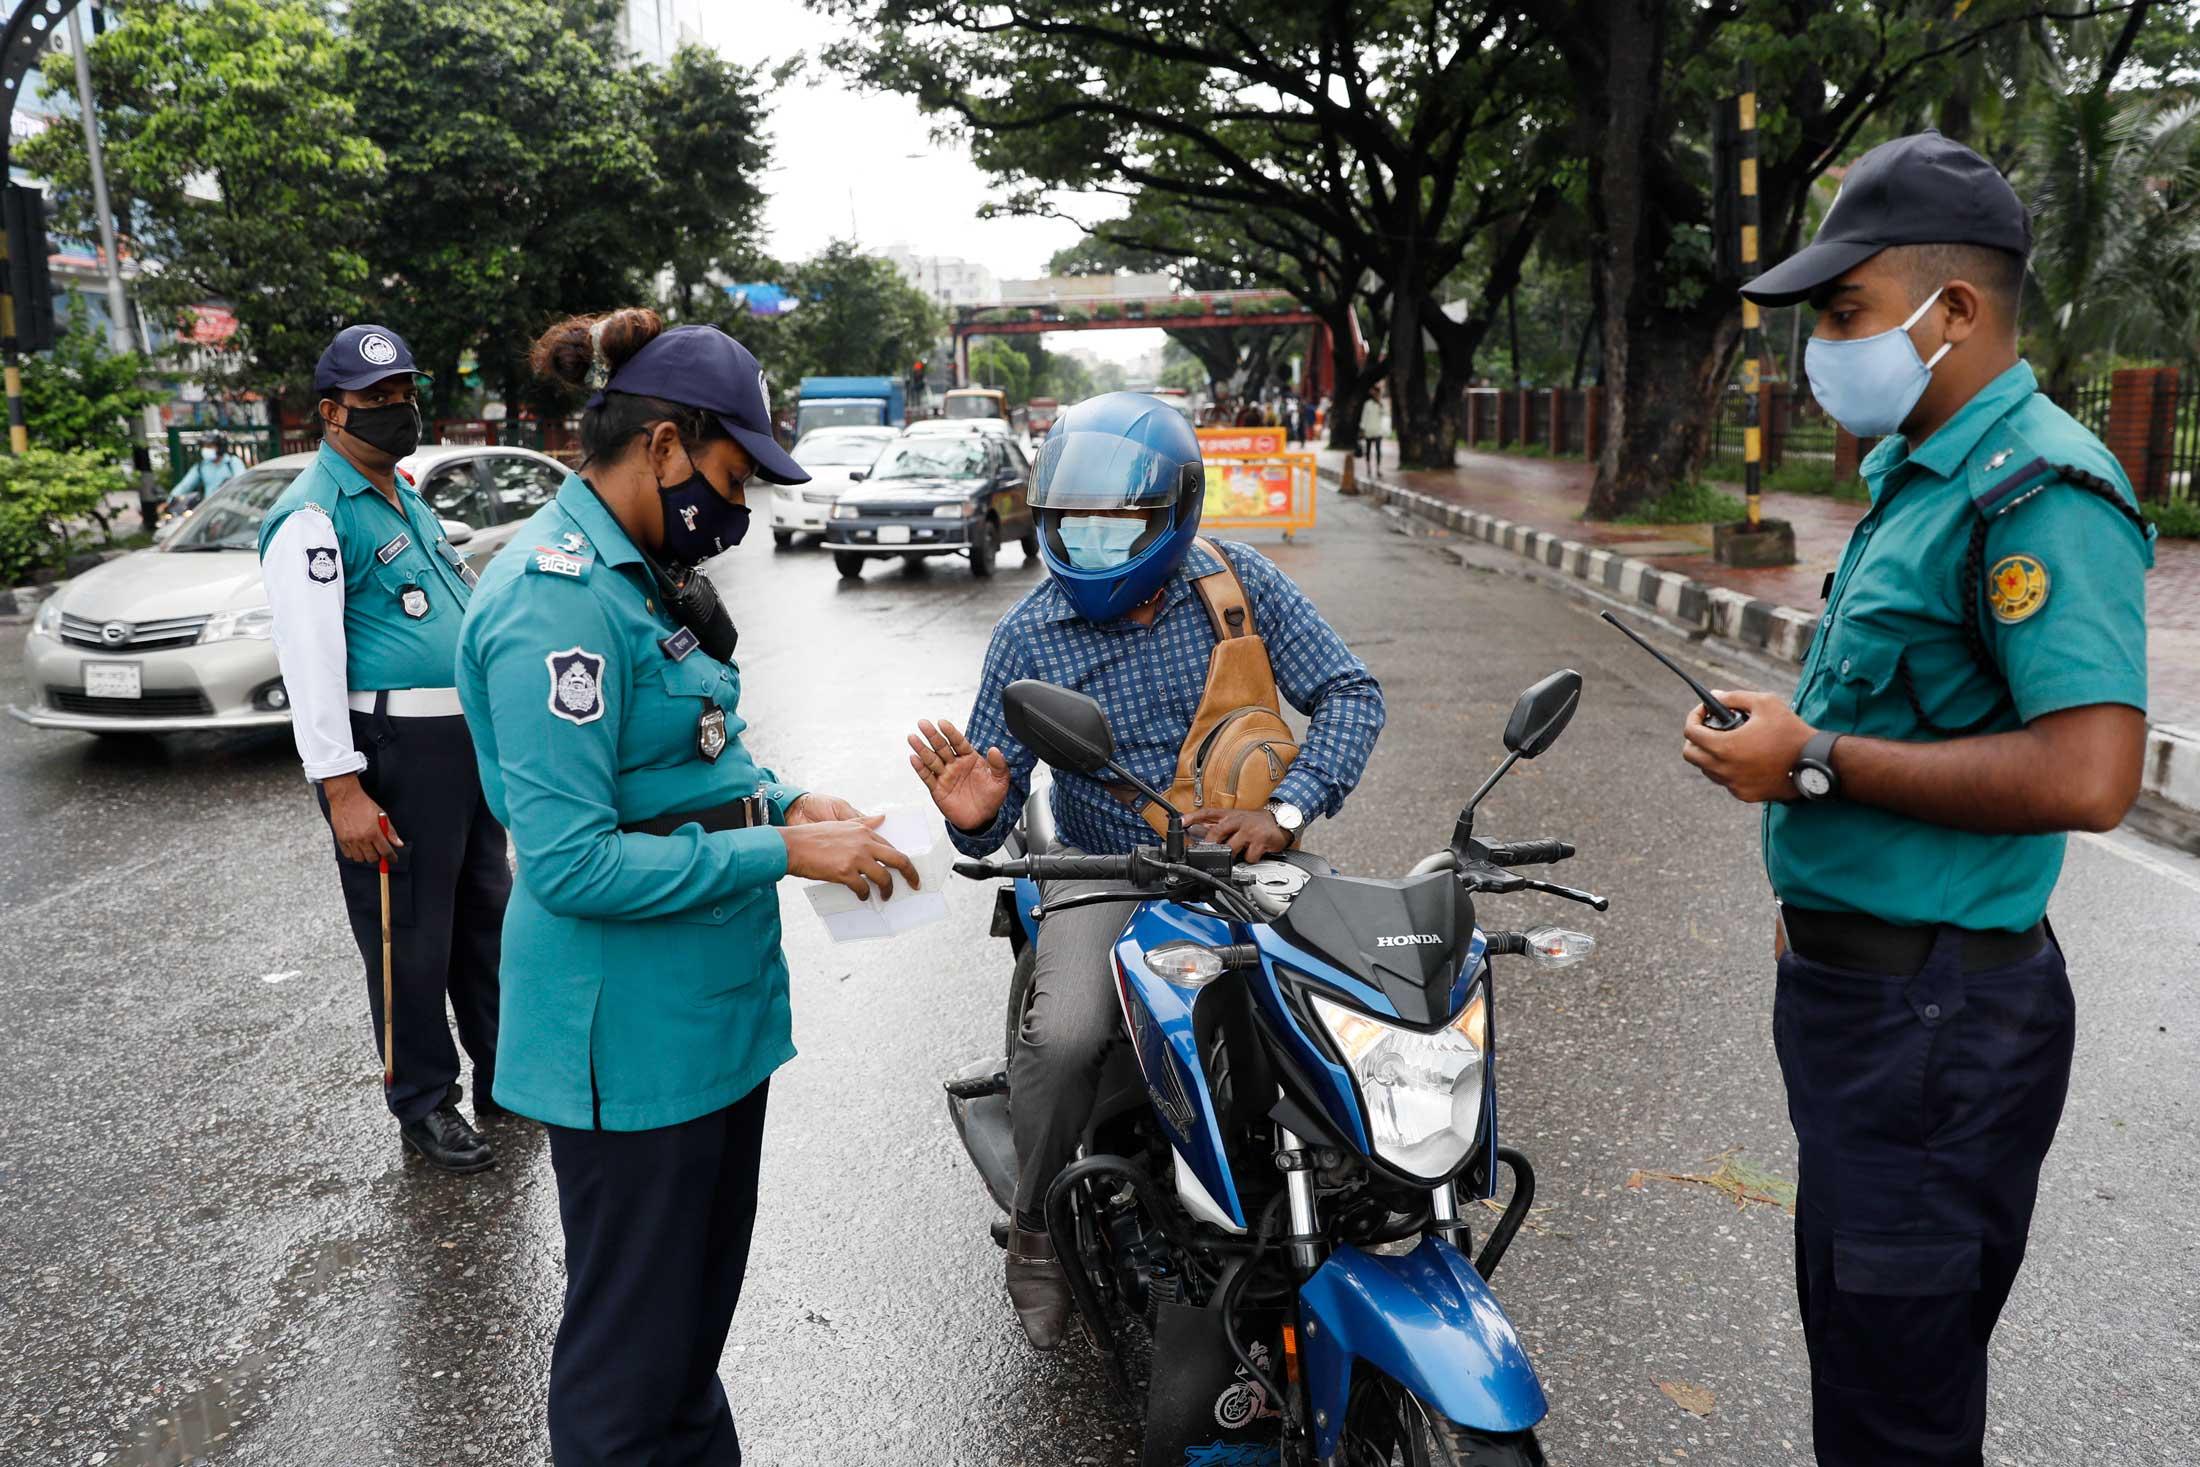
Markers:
{"x": 1533, "y": 505}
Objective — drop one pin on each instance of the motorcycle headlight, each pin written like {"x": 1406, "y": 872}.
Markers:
{"x": 256, "y": 624}
{"x": 48, "y": 621}
{"x": 1423, "y": 1091}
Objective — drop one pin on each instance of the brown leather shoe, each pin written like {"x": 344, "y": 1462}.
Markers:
{"x": 1038, "y": 1288}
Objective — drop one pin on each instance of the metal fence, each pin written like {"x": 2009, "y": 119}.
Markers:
{"x": 2087, "y": 402}
{"x": 2184, "y": 438}
{"x": 1795, "y": 428}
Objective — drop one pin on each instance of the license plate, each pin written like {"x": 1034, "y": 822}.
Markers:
{"x": 113, "y": 680}
{"x": 893, "y": 535}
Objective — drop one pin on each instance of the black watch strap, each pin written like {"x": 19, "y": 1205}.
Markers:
{"x": 1818, "y": 754}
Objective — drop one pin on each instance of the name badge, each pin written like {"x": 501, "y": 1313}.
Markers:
{"x": 710, "y": 735}
{"x": 679, "y": 644}
{"x": 395, "y": 548}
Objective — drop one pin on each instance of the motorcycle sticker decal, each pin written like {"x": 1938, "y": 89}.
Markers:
{"x": 1232, "y": 1454}
{"x": 576, "y": 685}
{"x": 1243, "y": 1400}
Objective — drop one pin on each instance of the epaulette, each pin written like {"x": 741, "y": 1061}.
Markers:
{"x": 2013, "y": 472}
{"x": 571, "y": 557}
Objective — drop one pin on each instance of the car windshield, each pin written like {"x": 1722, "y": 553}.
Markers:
{"x": 835, "y": 452}
{"x": 932, "y": 458}
{"x": 972, "y": 407}
{"x": 230, "y": 518}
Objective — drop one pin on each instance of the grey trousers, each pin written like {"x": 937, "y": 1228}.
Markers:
{"x": 1073, "y": 1015}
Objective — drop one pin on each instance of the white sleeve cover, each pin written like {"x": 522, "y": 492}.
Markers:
{"x": 309, "y": 641}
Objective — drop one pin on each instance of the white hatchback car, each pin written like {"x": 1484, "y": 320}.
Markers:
{"x": 179, "y": 637}
{"x": 835, "y": 457}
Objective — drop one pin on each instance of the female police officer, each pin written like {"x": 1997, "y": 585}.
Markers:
{"x": 645, "y": 995}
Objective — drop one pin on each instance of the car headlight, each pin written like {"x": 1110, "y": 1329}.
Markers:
{"x": 950, "y": 511}
{"x": 844, "y": 511}
{"x": 1423, "y": 1091}
{"x": 48, "y": 621}
{"x": 256, "y": 624}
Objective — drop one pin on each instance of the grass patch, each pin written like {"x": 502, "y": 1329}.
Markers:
{"x": 1688, "y": 504}
{"x": 1798, "y": 477}
{"x": 2179, "y": 519}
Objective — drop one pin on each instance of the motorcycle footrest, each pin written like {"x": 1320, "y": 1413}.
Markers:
{"x": 979, "y": 1088}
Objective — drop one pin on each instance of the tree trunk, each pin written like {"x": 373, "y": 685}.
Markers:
{"x": 1663, "y": 408}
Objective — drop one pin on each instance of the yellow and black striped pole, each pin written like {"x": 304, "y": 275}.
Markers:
{"x": 19, "y": 436}
{"x": 1753, "y": 334}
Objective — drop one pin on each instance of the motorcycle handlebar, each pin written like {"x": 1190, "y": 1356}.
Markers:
{"x": 1052, "y": 868}
{"x": 1530, "y": 853}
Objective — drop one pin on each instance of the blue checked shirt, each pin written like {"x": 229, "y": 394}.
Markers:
{"x": 1148, "y": 680}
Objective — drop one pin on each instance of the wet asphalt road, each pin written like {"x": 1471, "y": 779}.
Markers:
{"x": 211, "y": 1248}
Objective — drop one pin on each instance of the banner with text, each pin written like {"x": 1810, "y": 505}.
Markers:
{"x": 1270, "y": 491}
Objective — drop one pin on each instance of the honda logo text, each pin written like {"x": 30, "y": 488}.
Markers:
{"x": 1409, "y": 939}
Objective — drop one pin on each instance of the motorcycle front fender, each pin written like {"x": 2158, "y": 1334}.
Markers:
{"x": 1429, "y": 1322}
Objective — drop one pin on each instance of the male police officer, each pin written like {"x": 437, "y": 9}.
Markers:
{"x": 1977, "y": 688}
{"x": 367, "y": 596}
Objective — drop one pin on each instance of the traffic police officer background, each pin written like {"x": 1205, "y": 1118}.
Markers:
{"x": 1977, "y": 688}
{"x": 645, "y": 1005}
{"x": 367, "y": 595}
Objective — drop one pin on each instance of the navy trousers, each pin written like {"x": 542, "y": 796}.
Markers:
{"x": 657, "y": 1227}
{"x": 448, "y": 888}
{"x": 1924, "y": 1105}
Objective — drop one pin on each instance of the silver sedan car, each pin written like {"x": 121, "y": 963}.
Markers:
{"x": 179, "y": 637}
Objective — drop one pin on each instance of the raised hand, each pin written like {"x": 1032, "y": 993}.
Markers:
{"x": 968, "y": 787}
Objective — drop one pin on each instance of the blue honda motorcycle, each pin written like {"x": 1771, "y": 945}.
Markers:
{"x": 1277, "y": 1159}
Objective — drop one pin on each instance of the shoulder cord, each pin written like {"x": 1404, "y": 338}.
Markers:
{"x": 1974, "y": 634}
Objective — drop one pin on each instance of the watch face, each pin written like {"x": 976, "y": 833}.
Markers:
{"x": 1815, "y": 783}
{"x": 1287, "y": 816}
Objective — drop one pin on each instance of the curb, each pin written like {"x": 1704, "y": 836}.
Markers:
{"x": 2170, "y": 805}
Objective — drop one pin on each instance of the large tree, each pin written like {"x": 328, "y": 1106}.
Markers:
{"x": 238, "y": 171}
{"x": 1646, "y": 77}
{"x": 1399, "y": 135}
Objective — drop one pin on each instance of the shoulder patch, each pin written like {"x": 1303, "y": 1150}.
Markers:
{"x": 1996, "y": 491}
{"x": 549, "y": 560}
{"x": 2016, "y": 588}
{"x": 576, "y": 684}
{"x": 322, "y": 564}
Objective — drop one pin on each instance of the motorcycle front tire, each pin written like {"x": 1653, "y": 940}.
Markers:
{"x": 1388, "y": 1426}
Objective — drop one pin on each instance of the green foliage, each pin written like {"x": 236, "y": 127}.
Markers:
{"x": 994, "y": 363}
{"x": 46, "y": 494}
{"x": 858, "y": 318}
{"x": 2179, "y": 518}
{"x": 251, "y": 96}
{"x": 1687, "y": 504}
{"x": 82, "y": 394}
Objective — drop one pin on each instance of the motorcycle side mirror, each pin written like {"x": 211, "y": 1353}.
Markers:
{"x": 1542, "y": 713}
{"x": 1065, "y": 728}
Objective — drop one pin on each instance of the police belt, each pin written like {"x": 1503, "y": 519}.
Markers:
{"x": 742, "y": 814}
{"x": 1868, "y": 945}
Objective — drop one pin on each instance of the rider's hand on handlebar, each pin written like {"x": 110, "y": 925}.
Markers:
{"x": 1251, "y": 835}
{"x": 968, "y": 787}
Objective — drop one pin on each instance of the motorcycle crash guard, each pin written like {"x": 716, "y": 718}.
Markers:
{"x": 1429, "y": 1322}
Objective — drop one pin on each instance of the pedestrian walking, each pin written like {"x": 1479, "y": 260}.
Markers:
{"x": 646, "y": 994}
{"x": 1374, "y": 428}
{"x": 1977, "y": 688}
{"x": 367, "y": 594}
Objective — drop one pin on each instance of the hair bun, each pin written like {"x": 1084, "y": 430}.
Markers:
{"x": 566, "y": 352}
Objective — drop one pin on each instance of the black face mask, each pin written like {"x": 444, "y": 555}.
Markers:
{"x": 394, "y": 429}
{"x": 698, "y": 521}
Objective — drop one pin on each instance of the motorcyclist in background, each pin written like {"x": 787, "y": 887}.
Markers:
{"x": 216, "y": 467}
{"x": 1118, "y": 496}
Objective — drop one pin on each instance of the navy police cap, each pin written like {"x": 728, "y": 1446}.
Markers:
{"x": 361, "y": 356}
{"x": 1921, "y": 189}
{"x": 703, "y": 367}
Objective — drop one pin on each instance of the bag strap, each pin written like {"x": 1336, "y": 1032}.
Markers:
{"x": 1223, "y": 594}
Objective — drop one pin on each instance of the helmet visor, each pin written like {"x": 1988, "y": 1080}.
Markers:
{"x": 1108, "y": 471}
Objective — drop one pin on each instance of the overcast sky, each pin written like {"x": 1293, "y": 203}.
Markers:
{"x": 847, "y": 161}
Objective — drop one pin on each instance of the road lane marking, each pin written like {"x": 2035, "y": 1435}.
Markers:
{"x": 2142, "y": 859}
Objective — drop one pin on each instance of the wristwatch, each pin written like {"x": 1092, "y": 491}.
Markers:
{"x": 1813, "y": 774}
{"x": 1289, "y": 816}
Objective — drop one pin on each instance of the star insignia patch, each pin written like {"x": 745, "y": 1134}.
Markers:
{"x": 2016, "y": 588}
{"x": 1998, "y": 460}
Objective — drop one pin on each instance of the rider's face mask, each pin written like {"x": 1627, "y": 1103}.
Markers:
{"x": 1869, "y": 385}
{"x": 1100, "y": 541}
{"x": 209, "y": 454}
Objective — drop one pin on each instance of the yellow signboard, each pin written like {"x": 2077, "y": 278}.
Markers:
{"x": 1268, "y": 491}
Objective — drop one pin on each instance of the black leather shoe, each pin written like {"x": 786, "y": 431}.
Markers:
{"x": 443, "y": 1139}
{"x": 1038, "y": 1289}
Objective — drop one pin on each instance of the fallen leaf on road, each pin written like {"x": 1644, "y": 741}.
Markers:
{"x": 1744, "y": 1181}
{"x": 1693, "y": 1399}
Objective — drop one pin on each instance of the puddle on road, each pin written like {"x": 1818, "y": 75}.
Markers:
{"x": 193, "y": 1426}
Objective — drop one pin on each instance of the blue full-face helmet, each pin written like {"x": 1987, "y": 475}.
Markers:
{"x": 1119, "y": 451}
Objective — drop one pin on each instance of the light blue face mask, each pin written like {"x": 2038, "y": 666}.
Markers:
{"x": 1870, "y": 384}
{"x": 1098, "y": 541}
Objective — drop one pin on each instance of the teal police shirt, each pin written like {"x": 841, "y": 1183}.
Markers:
{"x": 643, "y": 979}
{"x": 2059, "y": 597}
{"x": 404, "y": 587}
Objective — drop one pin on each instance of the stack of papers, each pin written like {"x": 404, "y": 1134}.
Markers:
{"x": 850, "y": 918}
